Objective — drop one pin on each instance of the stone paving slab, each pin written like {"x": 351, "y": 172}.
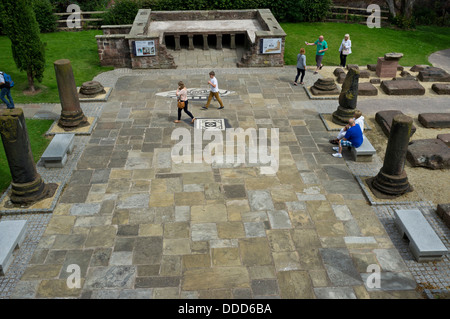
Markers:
{"x": 141, "y": 227}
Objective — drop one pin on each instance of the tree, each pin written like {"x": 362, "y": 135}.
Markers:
{"x": 401, "y": 7}
{"x": 21, "y": 27}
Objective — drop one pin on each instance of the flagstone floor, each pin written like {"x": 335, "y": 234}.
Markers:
{"x": 140, "y": 226}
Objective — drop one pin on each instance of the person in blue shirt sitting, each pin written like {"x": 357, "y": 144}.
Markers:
{"x": 353, "y": 137}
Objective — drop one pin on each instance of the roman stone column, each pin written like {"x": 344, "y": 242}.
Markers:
{"x": 72, "y": 116}
{"x": 27, "y": 185}
{"x": 205, "y": 42}
{"x": 392, "y": 181}
{"x": 177, "y": 43}
{"x": 191, "y": 41}
{"x": 347, "y": 99}
{"x": 219, "y": 42}
{"x": 233, "y": 41}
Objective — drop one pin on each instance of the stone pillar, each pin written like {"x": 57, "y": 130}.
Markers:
{"x": 72, "y": 116}
{"x": 219, "y": 42}
{"x": 392, "y": 181}
{"x": 177, "y": 43}
{"x": 387, "y": 66}
{"x": 233, "y": 41}
{"x": 27, "y": 185}
{"x": 348, "y": 98}
{"x": 191, "y": 41}
{"x": 205, "y": 42}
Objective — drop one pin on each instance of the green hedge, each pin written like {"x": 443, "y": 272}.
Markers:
{"x": 43, "y": 10}
{"x": 124, "y": 11}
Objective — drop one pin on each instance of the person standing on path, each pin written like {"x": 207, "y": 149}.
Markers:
{"x": 322, "y": 47}
{"x": 214, "y": 91}
{"x": 301, "y": 66}
{"x": 182, "y": 97}
{"x": 345, "y": 49}
{"x": 6, "y": 91}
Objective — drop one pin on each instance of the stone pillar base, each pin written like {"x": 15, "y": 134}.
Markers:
{"x": 386, "y": 186}
{"x": 342, "y": 115}
{"x": 72, "y": 120}
{"x": 29, "y": 193}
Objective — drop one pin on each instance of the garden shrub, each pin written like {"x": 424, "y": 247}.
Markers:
{"x": 43, "y": 10}
{"x": 123, "y": 12}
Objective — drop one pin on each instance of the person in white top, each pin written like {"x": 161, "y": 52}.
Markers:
{"x": 214, "y": 91}
{"x": 182, "y": 96}
{"x": 359, "y": 119}
{"x": 345, "y": 49}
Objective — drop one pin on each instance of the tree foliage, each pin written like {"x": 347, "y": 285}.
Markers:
{"x": 43, "y": 10}
{"x": 19, "y": 22}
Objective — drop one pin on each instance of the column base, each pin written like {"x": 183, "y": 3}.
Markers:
{"x": 72, "y": 120}
{"x": 386, "y": 186}
{"x": 30, "y": 193}
{"x": 342, "y": 115}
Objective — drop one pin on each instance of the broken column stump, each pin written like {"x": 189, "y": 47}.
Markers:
{"x": 72, "y": 116}
{"x": 27, "y": 185}
{"x": 392, "y": 180}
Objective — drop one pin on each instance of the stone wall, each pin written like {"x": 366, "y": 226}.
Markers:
{"x": 203, "y": 15}
{"x": 162, "y": 60}
{"x": 114, "y": 50}
{"x": 116, "y": 29}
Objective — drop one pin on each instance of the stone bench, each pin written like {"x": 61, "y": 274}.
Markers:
{"x": 425, "y": 245}
{"x": 363, "y": 153}
{"x": 55, "y": 156}
{"x": 12, "y": 234}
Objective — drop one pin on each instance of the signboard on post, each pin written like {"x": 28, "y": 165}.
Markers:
{"x": 144, "y": 48}
{"x": 270, "y": 46}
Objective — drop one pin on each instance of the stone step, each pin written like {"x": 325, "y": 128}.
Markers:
{"x": 12, "y": 234}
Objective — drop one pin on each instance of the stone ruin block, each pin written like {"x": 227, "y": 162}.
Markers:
{"x": 384, "y": 119}
{"x": 444, "y": 138}
{"x": 341, "y": 78}
{"x": 372, "y": 67}
{"x": 367, "y": 89}
{"x": 443, "y": 211}
{"x": 386, "y": 68}
{"x": 402, "y": 88}
{"x": 419, "y": 67}
{"x": 435, "y": 120}
{"x": 430, "y": 153}
{"x": 375, "y": 81}
{"x": 338, "y": 71}
{"x": 400, "y": 68}
{"x": 441, "y": 88}
{"x": 352, "y": 66}
{"x": 432, "y": 74}
{"x": 364, "y": 74}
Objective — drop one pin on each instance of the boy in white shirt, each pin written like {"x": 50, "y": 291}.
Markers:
{"x": 214, "y": 91}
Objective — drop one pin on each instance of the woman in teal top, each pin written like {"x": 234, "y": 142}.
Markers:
{"x": 322, "y": 46}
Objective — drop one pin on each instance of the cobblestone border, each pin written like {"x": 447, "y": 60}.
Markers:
{"x": 432, "y": 277}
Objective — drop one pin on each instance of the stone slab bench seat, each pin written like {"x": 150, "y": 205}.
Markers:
{"x": 55, "y": 156}
{"x": 425, "y": 245}
{"x": 12, "y": 234}
{"x": 363, "y": 153}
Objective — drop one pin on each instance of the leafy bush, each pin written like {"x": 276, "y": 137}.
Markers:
{"x": 403, "y": 23}
{"x": 43, "y": 10}
{"x": 123, "y": 12}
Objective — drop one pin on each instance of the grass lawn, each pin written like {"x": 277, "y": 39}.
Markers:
{"x": 79, "y": 47}
{"x": 36, "y": 131}
{"x": 367, "y": 44}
